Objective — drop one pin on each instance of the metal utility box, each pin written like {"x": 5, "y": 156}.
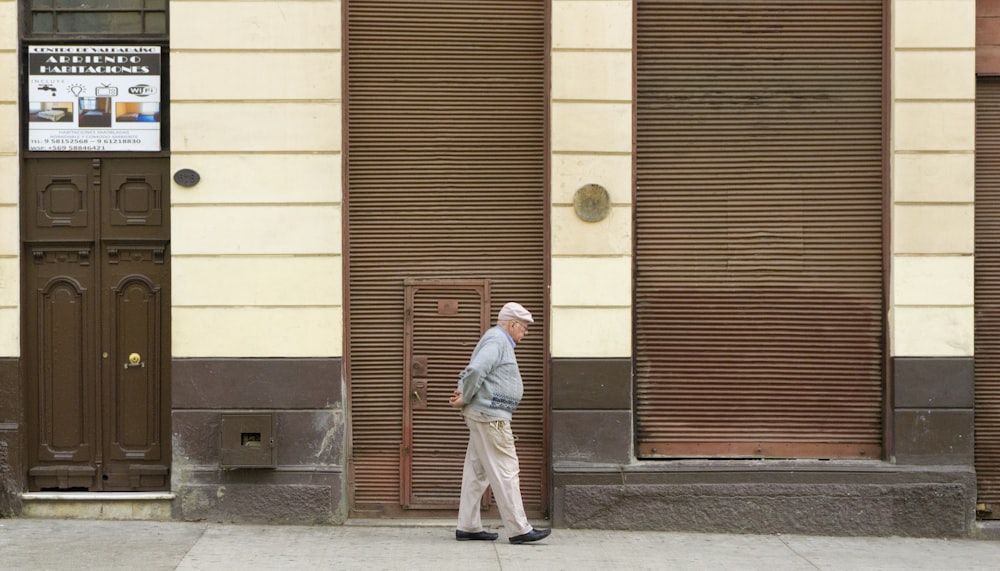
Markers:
{"x": 248, "y": 440}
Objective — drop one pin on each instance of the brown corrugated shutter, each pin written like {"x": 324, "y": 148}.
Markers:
{"x": 759, "y": 248}
{"x": 445, "y": 180}
{"x": 987, "y": 288}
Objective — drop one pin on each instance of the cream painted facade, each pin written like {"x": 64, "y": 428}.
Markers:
{"x": 10, "y": 283}
{"x": 591, "y": 142}
{"x": 267, "y": 142}
{"x": 933, "y": 177}
{"x": 256, "y": 109}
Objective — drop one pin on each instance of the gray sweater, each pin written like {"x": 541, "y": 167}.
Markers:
{"x": 491, "y": 384}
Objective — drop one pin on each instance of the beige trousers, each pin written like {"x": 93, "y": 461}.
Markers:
{"x": 491, "y": 460}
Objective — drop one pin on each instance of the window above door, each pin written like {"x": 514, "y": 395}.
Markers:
{"x": 69, "y": 18}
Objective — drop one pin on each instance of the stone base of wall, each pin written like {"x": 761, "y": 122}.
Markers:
{"x": 303, "y": 399}
{"x": 10, "y": 480}
{"x": 138, "y": 506}
{"x": 879, "y": 499}
{"x": 314, "y": 500}
{"x": 11, "y": 437}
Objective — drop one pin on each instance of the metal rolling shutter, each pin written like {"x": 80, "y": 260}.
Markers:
{"x": 759, "y": 247}
{"x": 987, "y": 288}
{"x": 445, "y": 180}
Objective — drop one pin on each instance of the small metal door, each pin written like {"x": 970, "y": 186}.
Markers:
{"x": 444, "y": 320}
{"x": 96, "y": 314}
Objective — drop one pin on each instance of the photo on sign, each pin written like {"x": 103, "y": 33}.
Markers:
{"x": 52, "y": 112}
{"x": 132, "y": 112}
{"x": 95, "y": 111}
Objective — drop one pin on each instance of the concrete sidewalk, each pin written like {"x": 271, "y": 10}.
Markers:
{"x": 32, "y": 544}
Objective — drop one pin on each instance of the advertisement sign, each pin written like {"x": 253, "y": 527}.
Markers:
{"x": 93, "y": 98}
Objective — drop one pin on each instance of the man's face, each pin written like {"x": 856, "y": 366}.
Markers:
{"x": 518, "y": 330}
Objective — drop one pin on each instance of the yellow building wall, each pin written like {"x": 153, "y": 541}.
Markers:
{"x": 10, "y": 285}
{"x": 933, "y": 177}
{"x": 256, "y": 111}
{"x": 591, "y": 143}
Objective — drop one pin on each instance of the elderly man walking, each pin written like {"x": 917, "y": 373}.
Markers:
{"x": 489, "y": 390}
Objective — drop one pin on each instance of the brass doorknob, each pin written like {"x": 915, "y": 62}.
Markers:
{"x": 134, "y": 360}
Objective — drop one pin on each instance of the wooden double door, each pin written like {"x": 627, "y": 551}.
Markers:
{"x": 96, "y": 305}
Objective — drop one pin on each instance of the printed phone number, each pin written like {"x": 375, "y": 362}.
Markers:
{"x": 69, "y": 148}
{"x": 114, "y": 141}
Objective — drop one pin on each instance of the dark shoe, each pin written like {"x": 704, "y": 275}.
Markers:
{"x": 474, "y": 535}
{"x": 533, "y": 535}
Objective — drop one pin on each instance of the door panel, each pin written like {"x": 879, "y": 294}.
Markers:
{"x": 135, "y": 415}
{"x": 62, "y": 203}
{"x": 63, "y": 350}
{"x": 58, "y": 200}
{"x": 444, "y": 320}
{"x": 98, "y": 294}
{"x": 137, "y": 207}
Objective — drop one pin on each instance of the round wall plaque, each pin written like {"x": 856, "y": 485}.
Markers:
{"x": 186, "y": 177}
{"x": 592, "y": 203}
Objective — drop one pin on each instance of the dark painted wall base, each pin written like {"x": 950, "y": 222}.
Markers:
{"x": 880, "y": 501}
{"x": 926, "y": 488}
{"x": 302, "y": 397}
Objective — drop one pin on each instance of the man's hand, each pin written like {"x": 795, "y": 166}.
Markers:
{"x": 456, "y": 400}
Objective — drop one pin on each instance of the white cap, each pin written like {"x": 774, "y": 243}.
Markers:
{"x": 514, "y": 311}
